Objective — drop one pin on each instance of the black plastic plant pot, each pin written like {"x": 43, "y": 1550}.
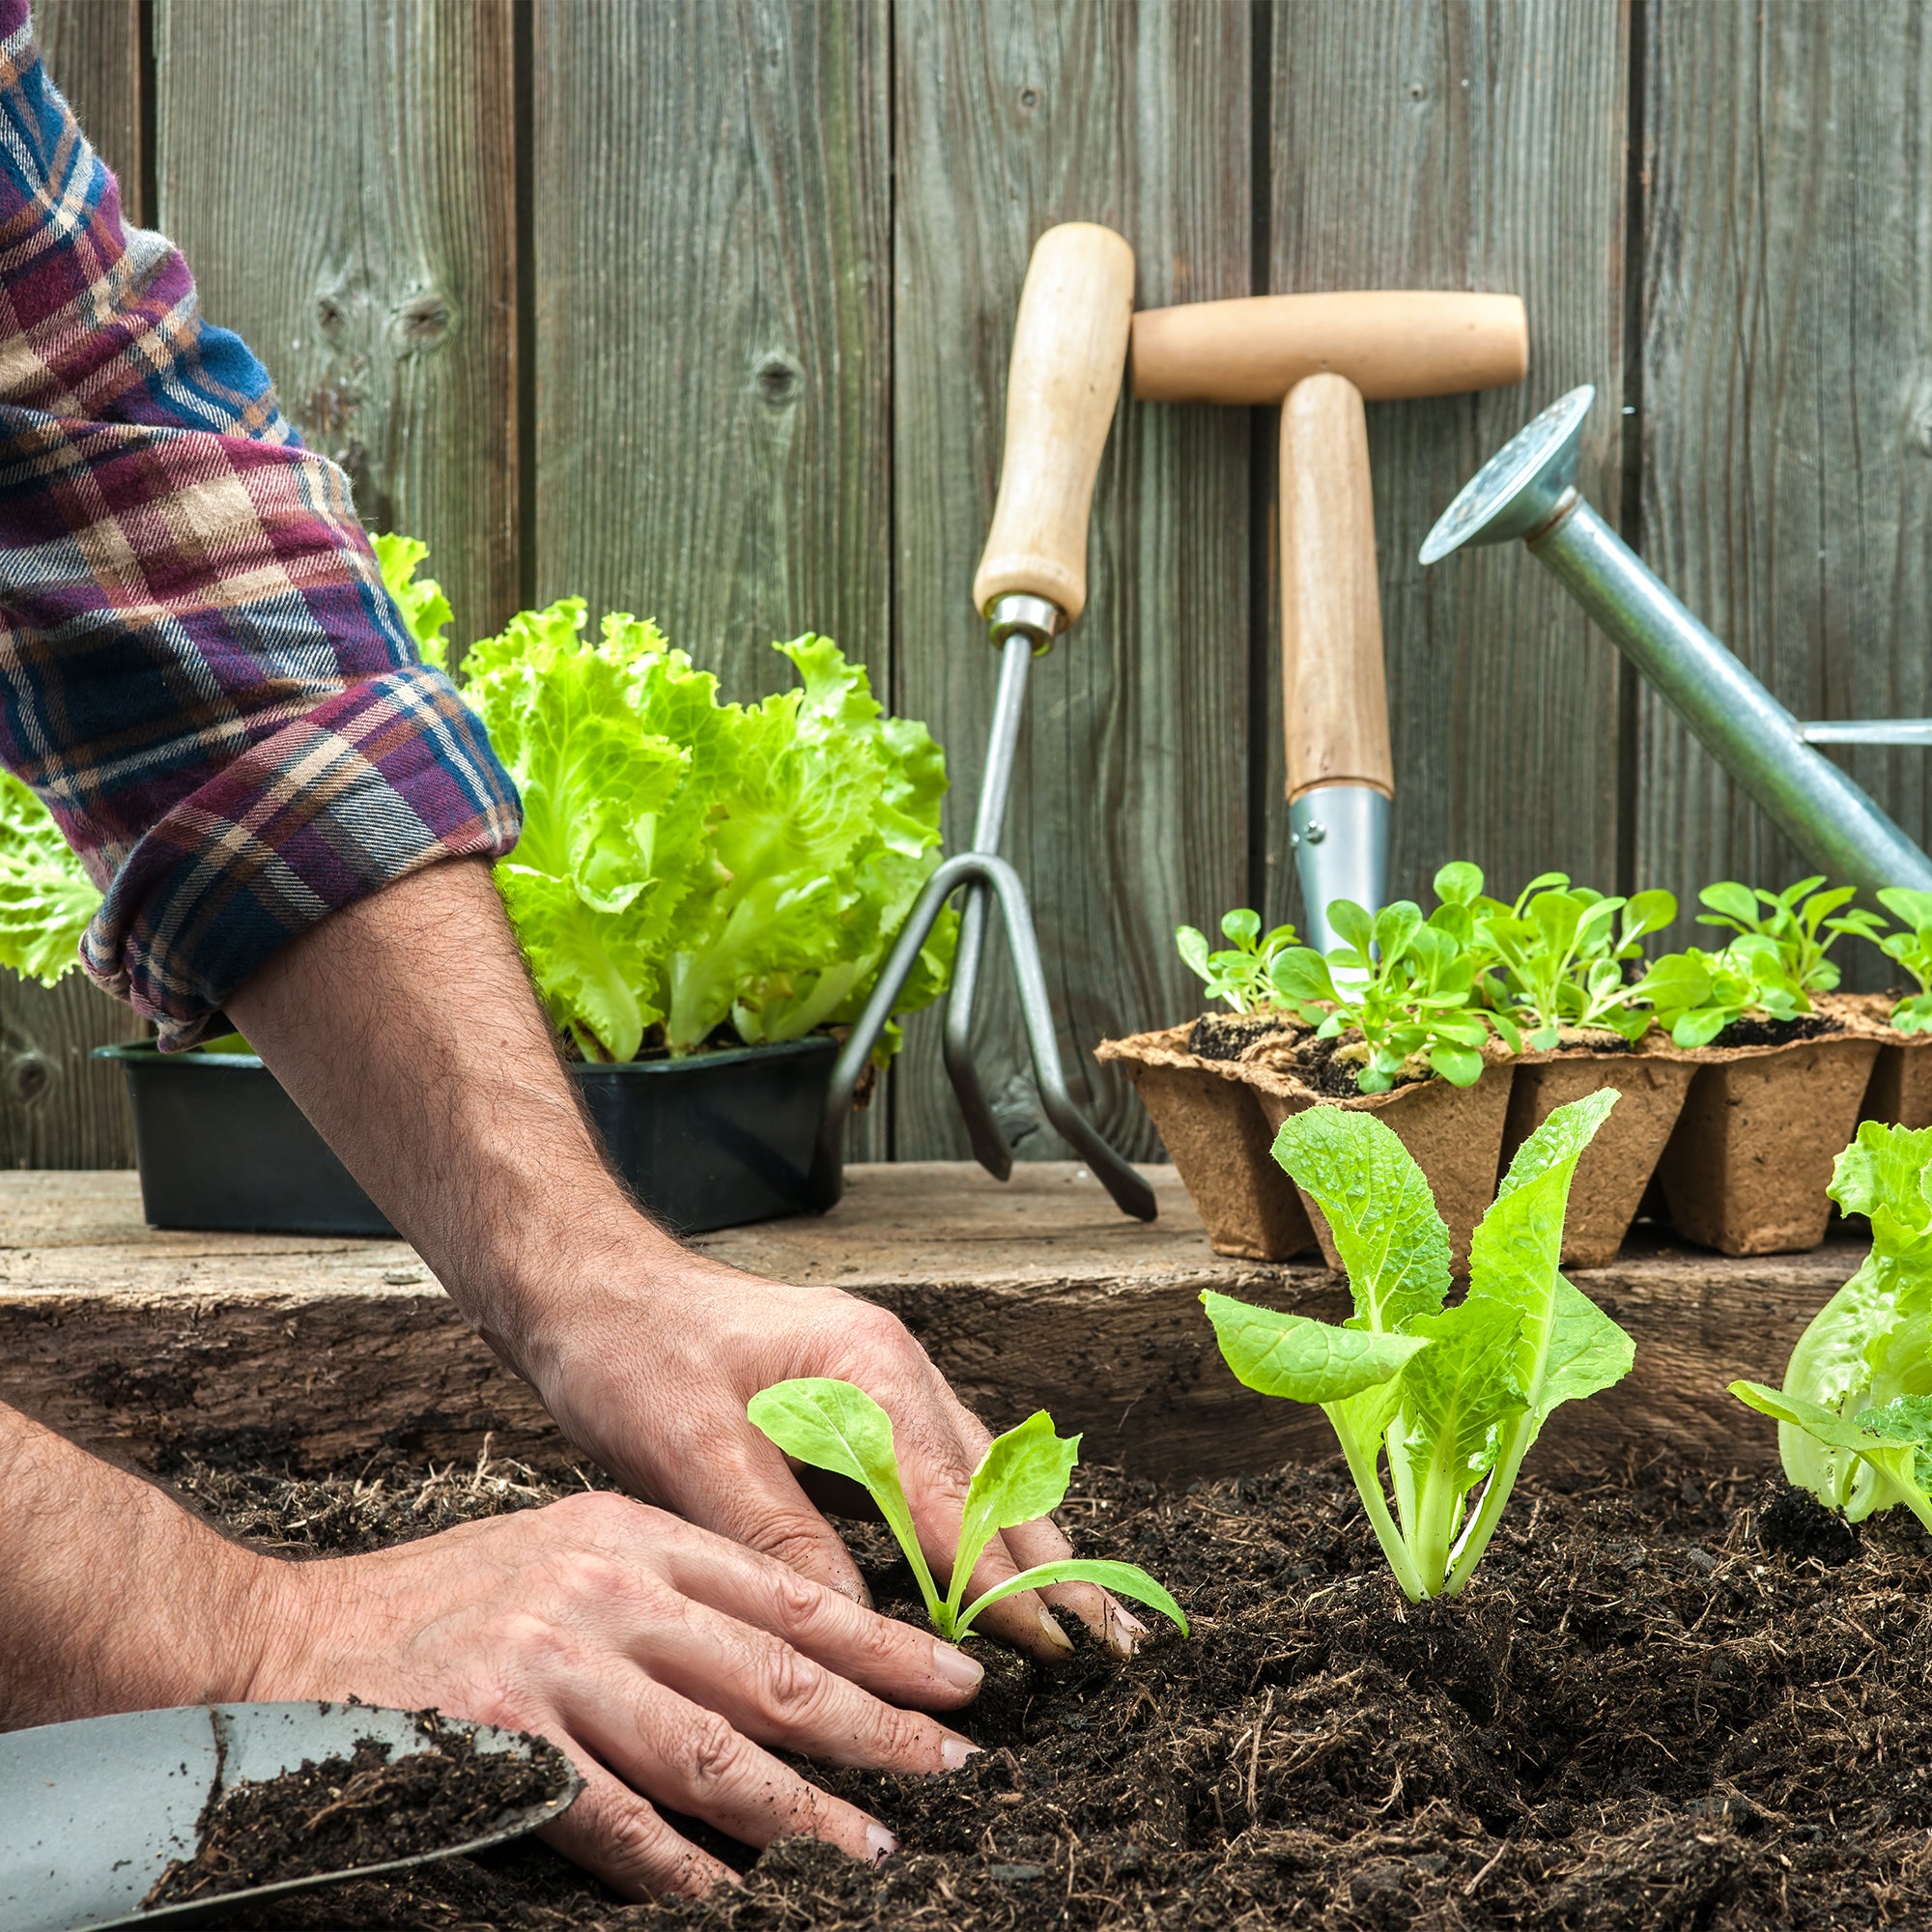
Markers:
{"x": 715, "y": 1140}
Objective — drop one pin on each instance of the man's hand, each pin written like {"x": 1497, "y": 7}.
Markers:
{"x": 663, "y": 1659}
{"x": 406, "y": 1030}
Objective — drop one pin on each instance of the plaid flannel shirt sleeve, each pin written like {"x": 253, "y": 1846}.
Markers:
{"x": 200, "y": 671}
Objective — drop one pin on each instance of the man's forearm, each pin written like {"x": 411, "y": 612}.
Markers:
{"x": 406, "y": 1031}
{"x": 112, "y": 1596}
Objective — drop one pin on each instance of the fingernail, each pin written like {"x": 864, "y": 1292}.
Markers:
{"x": 880, "y": 1843}
{"x": 1125, "y": 1630}
{"x": 1056, "y": 1637}
{"x": 955, "y": 1668}
{"x": 954, "y": 1750}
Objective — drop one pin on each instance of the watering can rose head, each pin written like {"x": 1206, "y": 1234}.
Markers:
{"x": 836, "y": 1426}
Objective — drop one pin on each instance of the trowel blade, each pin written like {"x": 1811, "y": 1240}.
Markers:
{"x": 93, "y": 1813}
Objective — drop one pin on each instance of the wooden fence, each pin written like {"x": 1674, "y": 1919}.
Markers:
{"x": 701, "y": 308}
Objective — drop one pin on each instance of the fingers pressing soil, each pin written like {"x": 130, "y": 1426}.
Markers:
{"x": 1658, "y": 1707}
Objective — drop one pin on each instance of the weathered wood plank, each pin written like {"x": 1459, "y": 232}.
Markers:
{"x": 1130, "y": 806}
{"x": 342, "y": 181}
{"x": 1787, "y": 405}
{"x": 56, "y": 1108}
{"x": 714, "y": 327}
{"x": 1036, "y": 1294}
{"x": 93, "y": 52}
{"x": 1468, "y": 144}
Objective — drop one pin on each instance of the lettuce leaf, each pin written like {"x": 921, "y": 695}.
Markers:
{"x": 45, "y": 896}
{"x": 688, "y": 863}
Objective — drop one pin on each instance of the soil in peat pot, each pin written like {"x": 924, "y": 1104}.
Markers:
{"x": 1664, "y": 1702}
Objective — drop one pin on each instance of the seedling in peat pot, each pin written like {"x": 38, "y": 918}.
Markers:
{"x": 1695, "y": 995}
{"x": 1454, "y": 1397}
{"x": 836, "y": 1426}
{"x": 1238, "y": 973}
{"x": 1799, "y": 921}
{"x": 1855, "y": 1415}
{"x": 1911, "y": 949}
{"x": 1400, "y": 982}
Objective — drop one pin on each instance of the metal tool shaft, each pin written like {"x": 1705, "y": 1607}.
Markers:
{"x": 1528, "y": 490}
{"x": 1340, "y": 835}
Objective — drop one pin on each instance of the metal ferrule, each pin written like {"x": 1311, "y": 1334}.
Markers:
{"x": 1339, "y": 834}
{"x": 1039, "y": 617}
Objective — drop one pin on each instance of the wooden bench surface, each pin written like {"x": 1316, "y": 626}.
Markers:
{"x": 1035, "y": 1294}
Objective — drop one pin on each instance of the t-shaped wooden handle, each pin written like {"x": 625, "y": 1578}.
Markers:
{"x": 1390, "y": 343}
{"x": 1070, "y": 347}
{"x": 1334, "y": 688}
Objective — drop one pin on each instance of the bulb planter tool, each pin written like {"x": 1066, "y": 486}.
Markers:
{"x": 1069, "y": 348}
{"x": 1321, "y": 357}
{"x": 97, "y": 1810}
{"x": 1528, "y": 490}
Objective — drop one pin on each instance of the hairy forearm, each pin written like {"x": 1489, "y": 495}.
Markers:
{"x": 112, "y": 1596}
{"x": 406, "y": 1031}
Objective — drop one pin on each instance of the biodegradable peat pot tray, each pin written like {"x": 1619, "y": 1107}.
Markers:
{"x": 1611, "y": 1178}
{"x": 1218, "y": 1139}
{"x": 1899, "y": 1093}
{"x": 715, "y": 1140}
{"x": 1455, "y": 1134}
{"x": 1748, "y": 1165}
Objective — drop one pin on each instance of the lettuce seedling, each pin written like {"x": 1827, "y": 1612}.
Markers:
{"x": 1400, "y": 982}
{"x": 1695, "y": 995}
{"x": 836, "y": 1426}
{"x": 1911, "y": 949}
{"x": 1559, "y": 951}
{"x": 1453, "y": 1398}
{"x": 1800, "y": 922}
{"x": 46, "y": 898}
{"x": 1853, "y": 1413}
{"x": 1238, "y": 973}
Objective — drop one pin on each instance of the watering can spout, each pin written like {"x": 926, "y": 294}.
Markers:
{"x": 1528, "y": 490}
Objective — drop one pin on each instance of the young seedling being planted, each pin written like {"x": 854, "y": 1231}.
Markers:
{"x": 836, "y": 1426}
{"x": 1855, "y": 1415}
{"x": 1451, "y": 1397}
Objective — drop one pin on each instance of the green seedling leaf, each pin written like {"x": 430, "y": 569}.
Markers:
{"x": 1379, "y": 1211}
{"x": 1123, "y": 1579}
{"x": 836, "y": 1426}
{"x": 1238, "y": 974}
{"x": 46, "y": 899}
{"x": 1023, "y": 1475}
{"x": 1301, "y": 1359}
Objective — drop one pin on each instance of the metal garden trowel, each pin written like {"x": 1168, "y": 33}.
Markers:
{"x": 1070, "y": 351}
{"x": 91, "y": 1813}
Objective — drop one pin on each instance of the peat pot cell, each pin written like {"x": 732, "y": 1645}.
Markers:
{"x": 1219, "y": 1141}
{"x": 1613, "y": 1174}
{"x": 1454, "y": 1135}
{"x": 1746, "y": 1169}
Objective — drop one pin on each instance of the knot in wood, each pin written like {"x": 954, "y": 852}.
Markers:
{"x": 780, "y": 382}
{"x": 29, "y": 1075}
{"x": 1029, "y": 99}
{"x": 420, "y": 323}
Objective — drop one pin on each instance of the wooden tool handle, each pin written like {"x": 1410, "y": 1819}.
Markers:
{"x": 1069, "y": 346}
{"x": 1390, "y": 343}
{"x": 1334, "y": 690}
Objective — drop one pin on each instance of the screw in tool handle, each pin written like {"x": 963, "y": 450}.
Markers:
{"x": 1069, "y": 355}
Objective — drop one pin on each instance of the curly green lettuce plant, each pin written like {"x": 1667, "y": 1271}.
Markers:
{"x": 1912, "y": 949}
{"x": 1399, "y": 984}
{"x": 1855, "y": 1412}
{"x": 836, "y": 1426}
{"x": 684, "y": 863}
{"x": 1802, "y": 921}
{"x": 1452, "y": 1398}
{"x": 1555, "y": 957}
{"x": 45, "y": 896}
{"x": 1238, "y": 973}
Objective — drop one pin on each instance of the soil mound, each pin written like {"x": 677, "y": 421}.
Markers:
{"x": 1652, "y": 1710}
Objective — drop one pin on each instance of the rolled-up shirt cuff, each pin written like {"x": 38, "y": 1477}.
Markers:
{"x": 387, "y": 776}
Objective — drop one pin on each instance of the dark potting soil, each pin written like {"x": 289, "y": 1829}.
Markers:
{"x": 1317, "y": 1069}
{"x": 1665, "y": 1702}
{"x": 357, "y": 1811}
{"x": 1749, "y": 1031}
{"x": 1229, "y": 1036}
